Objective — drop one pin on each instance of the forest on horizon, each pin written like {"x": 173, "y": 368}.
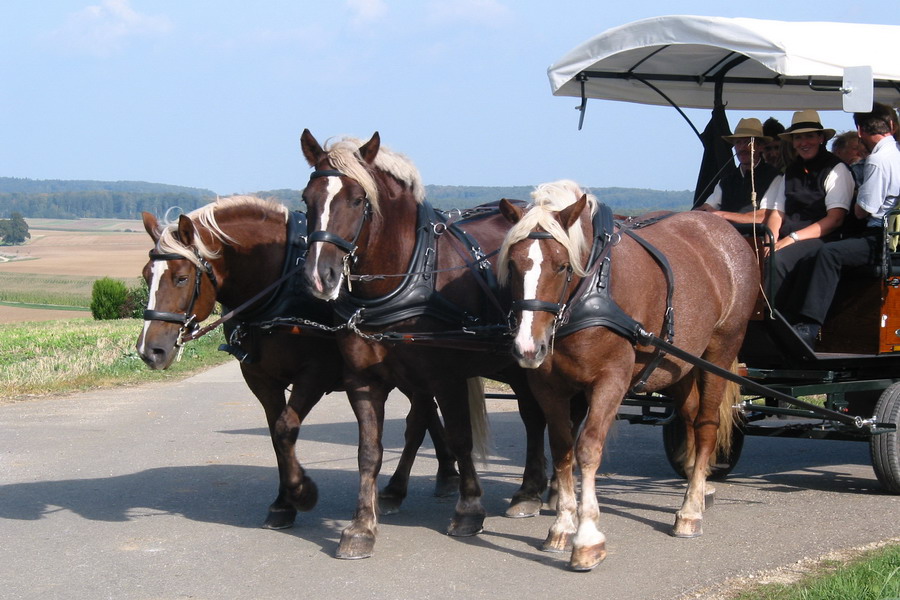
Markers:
{"x": 74, "y": 199}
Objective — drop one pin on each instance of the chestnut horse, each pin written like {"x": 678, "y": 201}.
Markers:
{"x": 231, "y": 251}
{"x": 702, "y": 302}
{"x": 367, "y": 217}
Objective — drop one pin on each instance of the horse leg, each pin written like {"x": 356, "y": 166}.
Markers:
{"x": 422, "y": 416}
{"x": 702, "y": 422}
{"x": 367, "y": 400}
{"x": 589, "y": 544}
{"x": 296, "y": 491}
{"x": 527, "y": 500}
{"x": 578, "y": 408}
{"x": 468, "y": 518}
{"x": 561, "y": 433}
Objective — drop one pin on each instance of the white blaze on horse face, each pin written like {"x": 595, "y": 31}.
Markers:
{"x": 333, "y": 189}
{"x": 157, "y": 270}
{"x": 524, "y": 338}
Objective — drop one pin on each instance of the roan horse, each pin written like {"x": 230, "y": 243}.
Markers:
{"x": 397, "y": 272}
{"x": 704, "y": 299}
{"x": 232, "y": 251}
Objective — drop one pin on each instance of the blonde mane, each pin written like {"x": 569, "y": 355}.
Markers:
{"x": 548, "y": 199}
{"x": 207, "y": 217}
{"x": 344, "y": 156}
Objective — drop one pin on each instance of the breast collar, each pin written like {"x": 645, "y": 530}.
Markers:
{"x": 416, "y": 296}
{"x": 592, "y": 305}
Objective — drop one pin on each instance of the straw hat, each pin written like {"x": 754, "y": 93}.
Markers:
{"x": 747, "y": 128}
{"x": 804, "y": 121}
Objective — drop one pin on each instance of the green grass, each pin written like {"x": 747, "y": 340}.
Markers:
{"x": 48, "y": 290}
{"x": 71, "y": 355}
{"x": 875, "y": 575}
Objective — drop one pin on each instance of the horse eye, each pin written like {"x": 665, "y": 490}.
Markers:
{"x": 181, "y": 280}
{"x": 562, "y": 268}
{"x": 357, "y": 201}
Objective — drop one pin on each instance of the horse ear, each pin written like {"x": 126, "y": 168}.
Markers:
{"x": 312, "y": 151}
{"x": 369, "y": 150}
{"x": 151, "y": 225}
{"x": 570, "y": 214}
{"x": 513, "y": 212}
{"x": 186, "y": 231}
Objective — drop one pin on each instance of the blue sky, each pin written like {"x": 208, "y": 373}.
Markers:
{"x": 215, "y": 93}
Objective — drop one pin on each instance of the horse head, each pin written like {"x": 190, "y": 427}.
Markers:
{"x": 339, "y": 202}
{"x": 541, "y": 260}
{"x": 182, "y": 290}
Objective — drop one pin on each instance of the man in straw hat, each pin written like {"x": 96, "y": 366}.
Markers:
{"x": 816, "y": 196}
{"x": 732, "y": 198}
{"x": 877, "y": 195}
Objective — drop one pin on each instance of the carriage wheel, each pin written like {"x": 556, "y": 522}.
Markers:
{"x": 673, "y": 442}
{"x": 885, "y": 447}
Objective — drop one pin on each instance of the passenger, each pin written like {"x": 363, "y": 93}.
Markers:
{"x": 774, "y": 151}
{"x": 877, "y": 195}
{"x": 850, "y": 150}
{"x": 816, "y": 196}
{"x": 731, "y": 199}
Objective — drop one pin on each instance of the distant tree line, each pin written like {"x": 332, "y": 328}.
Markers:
{"x": 14, "y": 230}
{"x": 57, "y": 199}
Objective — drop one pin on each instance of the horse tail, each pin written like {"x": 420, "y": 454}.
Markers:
{"x": 731, "y": 398}
{"x": 481, "y": 432}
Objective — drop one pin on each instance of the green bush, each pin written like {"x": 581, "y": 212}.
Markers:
{"x": 108, "y": 299}
{"x": 136, "y": 300}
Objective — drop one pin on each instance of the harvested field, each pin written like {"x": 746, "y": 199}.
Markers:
{"x": 15, "y": 314}
{"x": 97, "y": 254}
{"x": 60, "y": 263}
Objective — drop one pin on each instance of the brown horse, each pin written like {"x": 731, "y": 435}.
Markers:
{"x": 545, "y": 258}
{"x": 231, "y": 251}
{"x": 398, "y": 272}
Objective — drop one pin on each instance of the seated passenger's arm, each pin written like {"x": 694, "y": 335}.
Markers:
{"x": 831, "y": 221}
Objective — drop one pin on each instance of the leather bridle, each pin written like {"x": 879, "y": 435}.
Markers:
{"x": 187, "y": 319}
{"x": 320, "y": 235}
{"x": 555, "y": 308}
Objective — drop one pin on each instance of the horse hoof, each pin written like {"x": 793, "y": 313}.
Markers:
{"x": 557, "y": 542}
{"x": 445, "y": 487}
{"x": 687, "y": 528}
{"x": 520, "y": 508}
{"x": 280, "y": 518}
{"x": 466, "y": 525}
{"x": 308, "y": 497}
{"x": 585, "y": 558}
{"x": 354, "y": 546}
{"x": 389, "y": 505}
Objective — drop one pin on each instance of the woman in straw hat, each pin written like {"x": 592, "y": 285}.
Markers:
{"x": 817, "y": 193}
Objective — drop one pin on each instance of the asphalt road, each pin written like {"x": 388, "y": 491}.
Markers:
{"x": 158, "y": 492}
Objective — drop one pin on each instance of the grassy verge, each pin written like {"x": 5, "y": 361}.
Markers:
{"x": 78, "y": 354}
{"x": 873, "y": 575}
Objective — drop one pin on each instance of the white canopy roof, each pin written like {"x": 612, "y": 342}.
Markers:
{"x": 681, "y": 55}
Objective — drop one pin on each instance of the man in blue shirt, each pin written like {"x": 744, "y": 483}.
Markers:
{"x": 877, "y": 194}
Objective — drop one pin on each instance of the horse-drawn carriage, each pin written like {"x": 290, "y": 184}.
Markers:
{"x": 749, "y": 64}
{"x": 414, "y": 304}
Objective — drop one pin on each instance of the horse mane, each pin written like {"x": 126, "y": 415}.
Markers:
{"x": 208, "y": 217}
{"x": 547, "y": 199}
{"x": 344, "y": 156}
